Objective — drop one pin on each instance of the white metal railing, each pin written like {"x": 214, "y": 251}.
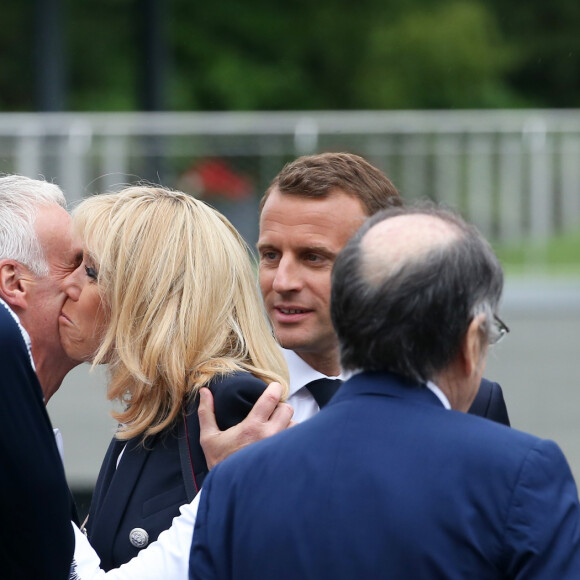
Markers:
{"x": 516, "y": 174}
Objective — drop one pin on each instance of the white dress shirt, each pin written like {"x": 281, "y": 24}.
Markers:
{"x": 439, "y": 394}
{"x": 301, "y": 373}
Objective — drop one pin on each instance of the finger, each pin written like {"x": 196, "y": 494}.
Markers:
{"x": 267, "y": 403}
{"x": 281, "y": 418}
{"x": 206, "y": 414}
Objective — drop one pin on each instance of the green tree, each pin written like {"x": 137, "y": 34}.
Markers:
{"x": 260, "y": 55}
{"x": 17, "y": 56}
{"x": 101, "y": 37}
{"x": 448, "y": 55}
{"x": 548, "y": 43}
{"x": 299, "y": 54}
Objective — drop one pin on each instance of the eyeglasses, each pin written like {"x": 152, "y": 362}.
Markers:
{"x": 500, "y": 328}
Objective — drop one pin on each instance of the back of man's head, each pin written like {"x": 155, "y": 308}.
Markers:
{"x": 318, "y": 175}
{"x": 406, "y": 287}
{"x": 20, "y": 198}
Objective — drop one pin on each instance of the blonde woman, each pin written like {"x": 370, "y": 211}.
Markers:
{"x": 167, "y": 297}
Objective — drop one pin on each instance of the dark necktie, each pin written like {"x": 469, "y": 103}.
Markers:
{"x": 323, "y": 389}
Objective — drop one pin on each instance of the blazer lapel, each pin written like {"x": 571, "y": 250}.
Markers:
{"x": 115, "y": 496}
{"x": 105, "y": 474}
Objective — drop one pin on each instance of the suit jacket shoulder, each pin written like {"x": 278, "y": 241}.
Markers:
{"x": 234, "y": 397}
{"x": 489, "y": 403}
{"x": 542, "y": 527}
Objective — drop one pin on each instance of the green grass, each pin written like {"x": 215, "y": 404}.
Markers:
{"x": 559, "y": 255}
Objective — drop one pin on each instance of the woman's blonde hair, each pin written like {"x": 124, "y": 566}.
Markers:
{"x": 177, "y": 281}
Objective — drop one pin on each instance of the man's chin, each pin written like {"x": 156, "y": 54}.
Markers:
{"x": 292, "y": 342}
{"x": 67, "y": 360}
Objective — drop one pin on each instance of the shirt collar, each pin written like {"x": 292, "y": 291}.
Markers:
{"x": 439, "y": 394}
{"x": 25, "y": 335}
{"x": 59, "y": 443}
{"x": 301, "y": 373}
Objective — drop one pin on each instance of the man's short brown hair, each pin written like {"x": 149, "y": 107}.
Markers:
{"x": 317, "y": 175}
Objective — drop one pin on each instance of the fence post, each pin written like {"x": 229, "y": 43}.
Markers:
{"x": 479, "y": 182}
{"x": 510, "y": 187}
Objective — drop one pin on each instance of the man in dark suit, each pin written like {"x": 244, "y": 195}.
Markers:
{"x": 389, "y": 480}
{"x": 36, "y": 539}
{"x": 309, "y": 212}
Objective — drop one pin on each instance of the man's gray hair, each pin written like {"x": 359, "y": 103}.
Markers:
{"x": 20, "y": 198}
{"x": 411, "y": 319}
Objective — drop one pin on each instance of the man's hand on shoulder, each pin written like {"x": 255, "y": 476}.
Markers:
{"x": 268, "y": 417}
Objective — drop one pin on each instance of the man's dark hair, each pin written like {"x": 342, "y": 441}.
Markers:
{"x": 317, "y": 175}
{"x": 412, "y": 319}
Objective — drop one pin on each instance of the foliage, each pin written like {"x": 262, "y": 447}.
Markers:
{"x": 447, "y": 55}
{"x": 17, "y": 57}
{"x": 546, "y": 34}
{"x": 102, "y": 40}
{"x": 299, "y": 54}
{"x": 270, "y": 56}
{"x": 557, "y": 255}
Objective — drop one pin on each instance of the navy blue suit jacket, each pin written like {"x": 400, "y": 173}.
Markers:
{"x": 36, "y": 538}
{"x": 386, "y": 483}
{"x": 148, "y": 487}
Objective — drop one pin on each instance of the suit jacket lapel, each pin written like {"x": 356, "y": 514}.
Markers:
{"x": 115, "y": 495}
{"x": 105, "y": 475}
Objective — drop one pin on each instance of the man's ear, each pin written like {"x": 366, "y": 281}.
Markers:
{"x": 14, "y": 283}
{"x": 473, "y": 347}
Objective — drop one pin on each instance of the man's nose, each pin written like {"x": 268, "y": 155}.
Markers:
{"x": 288, "y": 277}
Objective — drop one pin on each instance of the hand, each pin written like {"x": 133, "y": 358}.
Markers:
{"x": 268, "y": 417}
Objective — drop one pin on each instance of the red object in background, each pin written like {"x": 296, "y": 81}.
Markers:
{"x": 214, "y": 178}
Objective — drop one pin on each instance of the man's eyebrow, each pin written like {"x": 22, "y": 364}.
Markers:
{"x": 301, "y": 249}
{"x": 317, "y": 250}
{"x": 262, "y": 245}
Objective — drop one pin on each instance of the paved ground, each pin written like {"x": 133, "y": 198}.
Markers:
{"x": 538, "y": 365}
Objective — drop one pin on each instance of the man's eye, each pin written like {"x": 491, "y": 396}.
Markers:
{"x": 269, "y": 256}
{"x": 91, "y": 273}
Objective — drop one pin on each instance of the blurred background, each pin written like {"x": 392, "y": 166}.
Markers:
{"x": 473, "y": 103}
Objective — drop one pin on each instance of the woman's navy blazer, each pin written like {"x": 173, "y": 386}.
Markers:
{"x": 134, "y": 502}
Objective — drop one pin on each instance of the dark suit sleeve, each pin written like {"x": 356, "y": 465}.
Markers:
{"x": 201, "y": 561}
{"x": 489, "y": 403}
{"x": 36, "y": 537}
{"x": 543, "y": 522}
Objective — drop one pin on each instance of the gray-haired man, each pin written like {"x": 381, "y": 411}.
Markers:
{"x": 35, "y": 254}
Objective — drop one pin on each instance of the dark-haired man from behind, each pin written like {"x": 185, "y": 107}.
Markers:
{"x": 390, "y": 479}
